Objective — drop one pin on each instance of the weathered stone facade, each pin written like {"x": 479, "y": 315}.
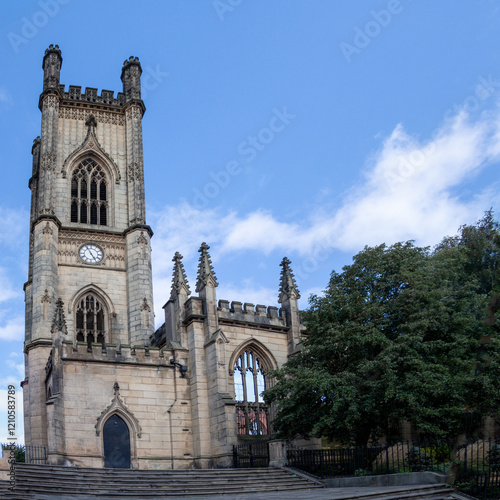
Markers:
{"x": 186, "y": 392}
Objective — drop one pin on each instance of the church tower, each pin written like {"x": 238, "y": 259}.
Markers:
{"x": 102, "y": 387}
{"x": 90, "y": 280}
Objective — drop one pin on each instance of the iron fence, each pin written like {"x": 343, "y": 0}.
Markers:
{"x": 252, "y": 454}
{"x": 478, "y": 472}
{"x": 379, "y": 458}
{"x": 35, "y": 454}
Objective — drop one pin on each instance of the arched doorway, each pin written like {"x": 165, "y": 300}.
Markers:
{"x": 116, "y": 437}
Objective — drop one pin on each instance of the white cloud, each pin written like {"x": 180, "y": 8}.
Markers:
{"x": 13, "y": 329}
{"x": 408, "y": 192}
{"x": 13, "y": 228}
{"x": 7, "y": 290}
{"x": 261, "y": 231}
{"x": 182, "y": 229}
{"x": 248, "y": 292}
{"x": 5, "y": 96}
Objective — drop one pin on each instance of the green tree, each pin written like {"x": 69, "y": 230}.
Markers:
{"x": 398, "y": 335}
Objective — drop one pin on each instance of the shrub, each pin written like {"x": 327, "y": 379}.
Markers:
{"x": 19, "y": 453}
{"x": 419, "y": 459}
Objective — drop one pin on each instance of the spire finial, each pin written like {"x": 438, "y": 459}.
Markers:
{"x": 51, "y": 65}
{"x": 179, "y": 279}
{"x": 91, "y": 121}
{"x": 288, "y": 286}
{"x": 59, "y": 322}
{"x": 206, "y": 271}
{"x": 131, "y": 78}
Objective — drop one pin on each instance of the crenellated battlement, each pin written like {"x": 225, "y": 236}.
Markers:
{"x": 250, "y": 313}
{"x": 91, "y": 95}
{"x": 114, "y": 353}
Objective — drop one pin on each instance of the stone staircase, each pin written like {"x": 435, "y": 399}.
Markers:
{"x": 33, "y": 481}
{"x": 409, "y": 492}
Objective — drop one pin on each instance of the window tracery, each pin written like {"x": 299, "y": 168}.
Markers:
{"x": 89, "y": 194}
{"x": 90, "y": 320}
{"x": 249, "y": 384}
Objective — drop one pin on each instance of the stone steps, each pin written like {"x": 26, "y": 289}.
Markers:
{"x": 413, "y": 492}
{"x": 125, "y": 483}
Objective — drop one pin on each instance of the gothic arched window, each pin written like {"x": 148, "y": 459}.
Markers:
{"x": 249, "y": 384}
{"x": 89, "y": 197}
{"x": 90, "y": 320}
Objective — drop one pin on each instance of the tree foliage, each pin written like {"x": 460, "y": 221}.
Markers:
{"x": 403, "y": 333}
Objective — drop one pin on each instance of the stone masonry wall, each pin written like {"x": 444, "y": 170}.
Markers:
{"x": 150, "y": 389}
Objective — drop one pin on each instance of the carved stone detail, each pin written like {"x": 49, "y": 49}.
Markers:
{"x": 113, "y": 248}
{"x": 288, "y": 285}
{"x": 117, "y": 406}
{"x": 46, "y": 302}
{"x": 70, "y": 113}
{"x": 134, "y": 172}
{"x": 179, "y": 279}
{"x": 89, "y": 144}
{"x": 48, "y": 161}
{"x": 49, "y": 364}
{"x": 142, "y": 242}
{"x": 47, "y": 233}
{"x": 51, "y": 101}
{"x": 59, "y": 322}
{"x": 206, "y": 273}
{"x": 145, "y": 310}
{"x": 134, "y": 113}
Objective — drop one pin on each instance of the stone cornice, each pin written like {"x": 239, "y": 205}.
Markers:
{"x": 135, "y": 102}
{"x": 50, "y": 91}
{"x": 37, "y": 343}
{"x": 135, "y": 227}
{"x": 43, "y": 217}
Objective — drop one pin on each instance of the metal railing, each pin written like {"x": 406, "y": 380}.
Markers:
{"x": 252, "y": 454}
{"x": 35, "y": 454}
{"x": 379, "y": 458}
{"x": 479, "y": 468}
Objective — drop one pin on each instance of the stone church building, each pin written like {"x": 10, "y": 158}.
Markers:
{"x": 102, "y": 387}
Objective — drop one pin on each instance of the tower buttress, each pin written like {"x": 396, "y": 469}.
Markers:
{"x": 138, "y": 234}
{"x": 134, "y": 110}
{"x": 49, "y": 102}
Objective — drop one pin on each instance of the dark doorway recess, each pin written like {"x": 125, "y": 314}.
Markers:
{"x": 116, "y": 438}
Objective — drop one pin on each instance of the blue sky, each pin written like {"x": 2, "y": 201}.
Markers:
{"x": 299, "y": 128}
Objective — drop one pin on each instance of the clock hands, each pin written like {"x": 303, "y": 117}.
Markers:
{"x": 91, "y": 254}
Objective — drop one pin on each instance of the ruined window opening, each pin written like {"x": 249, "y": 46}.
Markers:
{"x": 249, "y": 384}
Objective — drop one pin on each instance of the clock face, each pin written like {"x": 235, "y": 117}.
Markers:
{"x": 91, "y": 254}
